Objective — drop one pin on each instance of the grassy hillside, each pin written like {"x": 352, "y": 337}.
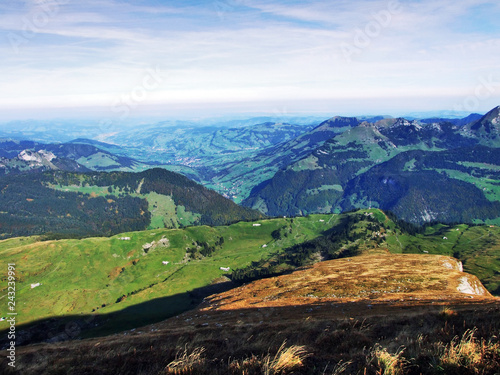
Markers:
{"x": 355, "y": 233}
{"x": 378, "y": 278}
{"x": 455, "y": 186}
{"x": 316, "y": 182}
{"x": 121, "y": 282}
{"x": 236, "y": 177}
{"x": 372, "y": 314}
{"x": 478, "y": 247}
{"x": 107, "y": 275}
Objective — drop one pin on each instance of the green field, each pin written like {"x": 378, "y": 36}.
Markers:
{"x": 124, "y": 275}
{"x": 490, "y": 187}
{"x": 105, "y": 275}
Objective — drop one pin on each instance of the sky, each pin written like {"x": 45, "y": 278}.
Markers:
{"x": 126, "y": 59}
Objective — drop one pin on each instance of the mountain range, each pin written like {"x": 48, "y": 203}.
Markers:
{"x": 414, "y": 168}
{"x": 378, "y": 259}
{"x": 80, "y": 156}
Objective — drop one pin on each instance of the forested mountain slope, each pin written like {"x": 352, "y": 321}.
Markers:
{"x": 378, "y": 165}
{"x": 99, "y": 203}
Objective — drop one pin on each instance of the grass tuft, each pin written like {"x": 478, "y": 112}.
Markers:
{"x": 462, "y": 352}
{"x": 387, "y": 363}
{"x": 470, "y": 354}
{"x": 187, "y": 363}
{"x": 285, "y": 360}
{"x": 447, "y": 312}
{"x": 341, "y": 367}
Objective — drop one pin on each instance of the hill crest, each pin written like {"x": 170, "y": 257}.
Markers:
{"x": 380, "y": 278}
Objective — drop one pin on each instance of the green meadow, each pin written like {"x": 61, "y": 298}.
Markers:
{"x": 118, "y": 274}
{"x": 126, "y": 278}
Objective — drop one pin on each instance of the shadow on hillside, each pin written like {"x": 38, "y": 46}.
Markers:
{"x": 248, "y": 337}
{"x": 69, "y": 327}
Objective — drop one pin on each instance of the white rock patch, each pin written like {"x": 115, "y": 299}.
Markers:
{"x": 466, "y": 287}
{"x": 47, "y": 155}
{"x": 448, "y": 265}
{"x": 453, "y": 265}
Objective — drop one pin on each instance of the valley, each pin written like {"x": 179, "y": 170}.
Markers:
{"x": 272, "y": 233}
{"x": 288, "y": 169}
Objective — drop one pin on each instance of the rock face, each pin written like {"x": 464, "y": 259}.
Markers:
{"x": 487, "y": 129}
{"x": 38, "y": 161}
{"x": 163, "y": 242}
{"x": 470, "y": 285}
{"x": 453, "y": 264}
{"x": 36, "y": 156}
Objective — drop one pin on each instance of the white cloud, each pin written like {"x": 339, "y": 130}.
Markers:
{"x": 91, "y": 53}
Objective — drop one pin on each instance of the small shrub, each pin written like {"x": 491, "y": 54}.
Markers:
{"x": 447, "y": 312}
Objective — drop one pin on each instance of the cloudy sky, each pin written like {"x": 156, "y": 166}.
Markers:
{"x": 170, "y": 58}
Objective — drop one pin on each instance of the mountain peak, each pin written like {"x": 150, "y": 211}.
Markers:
{"x": 397, "y": 122}
{"x": 337, "y": 122}
{"x": 489, "y": 125}
{"x": 492, "y": 116}
{"x": 495, "y": 113}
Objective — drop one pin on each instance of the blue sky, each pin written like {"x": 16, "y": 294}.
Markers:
{"x": 121, "y": 59}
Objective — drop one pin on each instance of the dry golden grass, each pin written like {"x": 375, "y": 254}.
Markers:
{"x": 448, "y": 312}
{"x": 463, "y": 352}
{"x": 285, "y": 360}
{"x": 294, "y": 324}
{"x": 370, "y": 345}
{"x": 387, "y": 363}
{"x": 187, "y": 362}
{"x": 467, "y": 353}
{"x": 381, "y": 278}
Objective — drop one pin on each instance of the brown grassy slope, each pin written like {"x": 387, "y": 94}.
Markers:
{"x": 376, "y": 278}
{"x": 367, "y": 313}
